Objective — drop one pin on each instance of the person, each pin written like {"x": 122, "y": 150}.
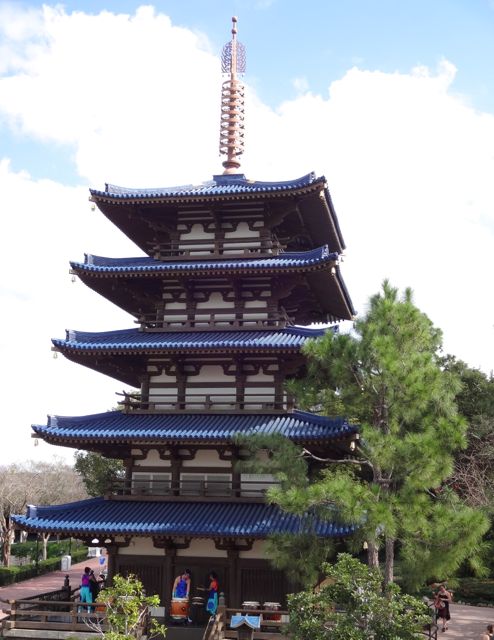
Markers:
{"x": 181, "y": 586}
{"x": 488, "y": 633}
{"x": 94, "y": 586}
{"x": 85, "y": 592}
{"x": 212, "y": 601}
{"x": 442, "y": 600}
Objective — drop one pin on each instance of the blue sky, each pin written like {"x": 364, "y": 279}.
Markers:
{"x": 317, "y": 42}
{"x": 392, "y": 101}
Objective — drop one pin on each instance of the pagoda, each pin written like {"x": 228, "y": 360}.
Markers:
{"x": 235, "y": 271}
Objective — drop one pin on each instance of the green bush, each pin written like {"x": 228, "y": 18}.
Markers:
{"x": 10, "y": 575}
{"x": 353, "y": 606}
{"x": 475, "y": 591}
{"x": 55, "y": 549}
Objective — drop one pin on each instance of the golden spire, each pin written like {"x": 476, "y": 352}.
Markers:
{"x": 232, "y": 103}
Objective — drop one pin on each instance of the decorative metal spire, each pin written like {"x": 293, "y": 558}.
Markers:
{"x": 232, "y": 103}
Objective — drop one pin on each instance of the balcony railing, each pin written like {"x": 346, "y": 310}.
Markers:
{"x": 216, "y": 248}
{"x": 249, "y": 490}
{"x": 180, "y": 320}
{"x": 200, "y": 402}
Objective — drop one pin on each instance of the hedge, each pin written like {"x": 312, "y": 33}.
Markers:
{"x": 475, "y": 591}
{"x": 9, "y": 575}
{"x": 55, "y": 548}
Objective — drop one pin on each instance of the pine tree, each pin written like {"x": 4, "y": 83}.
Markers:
{"x": 387, "y": 376}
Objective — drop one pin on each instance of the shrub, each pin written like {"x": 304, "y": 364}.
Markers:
{"x": 10, "y": 575}
{"x": 352, "y": 606}
{"x": 475, "y": 591}
{"x": 127, "y": 609}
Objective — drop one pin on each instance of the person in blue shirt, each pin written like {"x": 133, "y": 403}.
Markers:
{"x": 181, "y": 586}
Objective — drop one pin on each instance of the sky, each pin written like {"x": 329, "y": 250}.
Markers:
{"x": 393, "y": 102}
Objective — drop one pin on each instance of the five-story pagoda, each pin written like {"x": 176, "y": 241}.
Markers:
{"x": 234, "y": 267}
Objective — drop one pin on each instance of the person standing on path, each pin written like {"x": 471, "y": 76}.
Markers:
{"x": 86, "y": 590}
{"x": 442, "y": 600}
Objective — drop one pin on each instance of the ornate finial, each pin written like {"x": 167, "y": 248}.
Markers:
{"x": 232, "y": 103}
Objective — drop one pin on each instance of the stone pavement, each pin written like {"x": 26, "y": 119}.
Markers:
{"x": 47, "y": 582}
{"x": 467, "y": 622}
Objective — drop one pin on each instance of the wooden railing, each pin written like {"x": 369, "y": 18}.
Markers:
{"x": 223, "y": 401}
{"x": 213, "y": 319}
{"x": 56, "y": 616}
{"x": 215, "y": 627}
{"x": 272, "y": 625}
{"x": 247, "y": 490}
{"x": 184, "y": 249}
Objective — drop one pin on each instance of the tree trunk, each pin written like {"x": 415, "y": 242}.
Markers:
{"x": 45, "y": 537}
{"x": 6, "y": 542}
{"x": 373, "y": 555}
{"x": 390, "y": 560}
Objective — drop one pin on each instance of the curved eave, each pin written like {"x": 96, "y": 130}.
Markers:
{"x": 333, "y": 298}
{"x": 308, "y": 192}
{"x": 192, "y": 429}
{"x": 135, "y": 342}
{"x": 340, "y": 306}
{"x": 150, "y": 351}
{"x": 99, "y": 517}
{"x": 93, "y": 443}
{"x": 195, "y": 270}
{"x": 221, "y": 188}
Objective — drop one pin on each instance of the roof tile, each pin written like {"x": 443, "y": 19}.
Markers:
{"x": 117, "y": 426}
{"x": 134, "y": 339}
{"x": 202, "y": 519}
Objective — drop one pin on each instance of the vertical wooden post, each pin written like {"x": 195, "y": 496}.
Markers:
{"x": 233, "y": 595}
{"x": 13, "y": 613}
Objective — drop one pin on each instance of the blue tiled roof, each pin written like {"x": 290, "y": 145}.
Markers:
{"x": 287, "y": 260}
{"x": 135, "y": 340}
{"x": 201, "y": 519}
{"x": 114, "y": 426}
{"x": 221, "y": 185}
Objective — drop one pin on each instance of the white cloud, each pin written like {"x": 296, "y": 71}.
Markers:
{"x": 409, "y": 165}
{"x": 124, "y": 90}
{"x": 44, "y": 226}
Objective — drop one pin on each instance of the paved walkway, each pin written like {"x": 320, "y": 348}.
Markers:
{"x": 47, "y": 582}
{"x": 466, "y": 622}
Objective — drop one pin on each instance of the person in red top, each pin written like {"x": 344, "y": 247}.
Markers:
{"x": 212, "y": 603}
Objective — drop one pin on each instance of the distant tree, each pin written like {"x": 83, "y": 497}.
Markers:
{"x": 15, "y": 493}
{"x": 58, "y": 483}
{"x": 473, "y": 474}
{"x": 37, "y": 483}
{"x": 96, "y": 471}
